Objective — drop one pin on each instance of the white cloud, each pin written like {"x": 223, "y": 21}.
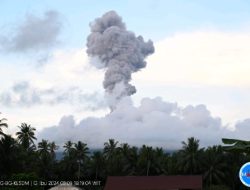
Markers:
{"x": 65, "y": 70}
{"x": 200, "y": 57}
{"x": 68, "y": 67}
{"x": 154, "y": 122}
{"x": 208, "y": 67}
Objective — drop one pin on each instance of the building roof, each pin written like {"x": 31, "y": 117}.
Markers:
{"x": 153, "y": 183}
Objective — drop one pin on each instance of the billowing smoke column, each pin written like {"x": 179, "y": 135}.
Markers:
{"x": 120, "y": 52}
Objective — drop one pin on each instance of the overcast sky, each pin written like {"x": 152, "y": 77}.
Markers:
{"x": 195, "y": 83}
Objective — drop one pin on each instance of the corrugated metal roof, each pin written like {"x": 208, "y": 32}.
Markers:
{"x": 153, "y": 182}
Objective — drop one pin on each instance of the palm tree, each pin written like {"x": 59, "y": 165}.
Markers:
{"x": 110, "y": 148}
{"x": 68, "y": 148}
{"x": 172, "y": 164}
{"x": 190, "y": 161}
{"x": 131, "y": 166}
{"x": 3, "y": 124}
{"x": 98, "y": 163}
{"x": 146, "y": 158}
{"x": 161, "y": 161}
{"x": 215, "y": 166}
{"x": 53, "y": 147}
{"x": 125, "y": 149}
{"x": 125, "y": 153}
{"x": 110, "y": 154}
{"x": 26, "y": 135}
{"x": 44, "y": 158}
{"x": 69, "y": 164}
{"x": 81, "y": 151}
{"x": 43, "y": 147}
{"x": 9, "y": 155}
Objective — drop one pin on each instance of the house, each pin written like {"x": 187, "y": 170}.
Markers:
{"x": 154, "y": 183}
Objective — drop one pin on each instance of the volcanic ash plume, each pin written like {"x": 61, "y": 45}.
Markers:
{"x": 120, "y": 52}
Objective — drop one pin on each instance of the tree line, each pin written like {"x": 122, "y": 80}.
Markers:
{"x": 24, "y": 158}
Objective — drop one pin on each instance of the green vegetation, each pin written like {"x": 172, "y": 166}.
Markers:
{"x": 20, "y": 158}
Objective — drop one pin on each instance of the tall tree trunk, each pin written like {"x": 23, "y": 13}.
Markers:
{"x": 148, "y": 167}
{"x": 79, "y": 171}
{"x": 96, "y": 173}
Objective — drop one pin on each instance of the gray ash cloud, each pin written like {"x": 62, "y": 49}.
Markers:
{"x": 120, "y": 51}
{"x": 23, "y": 94}
{"x": 33, "y": 34}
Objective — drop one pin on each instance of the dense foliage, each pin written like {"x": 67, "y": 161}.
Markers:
{"x": 24, "y": 158}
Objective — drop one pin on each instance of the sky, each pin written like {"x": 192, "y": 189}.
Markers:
{"x": 196, "y": 83}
